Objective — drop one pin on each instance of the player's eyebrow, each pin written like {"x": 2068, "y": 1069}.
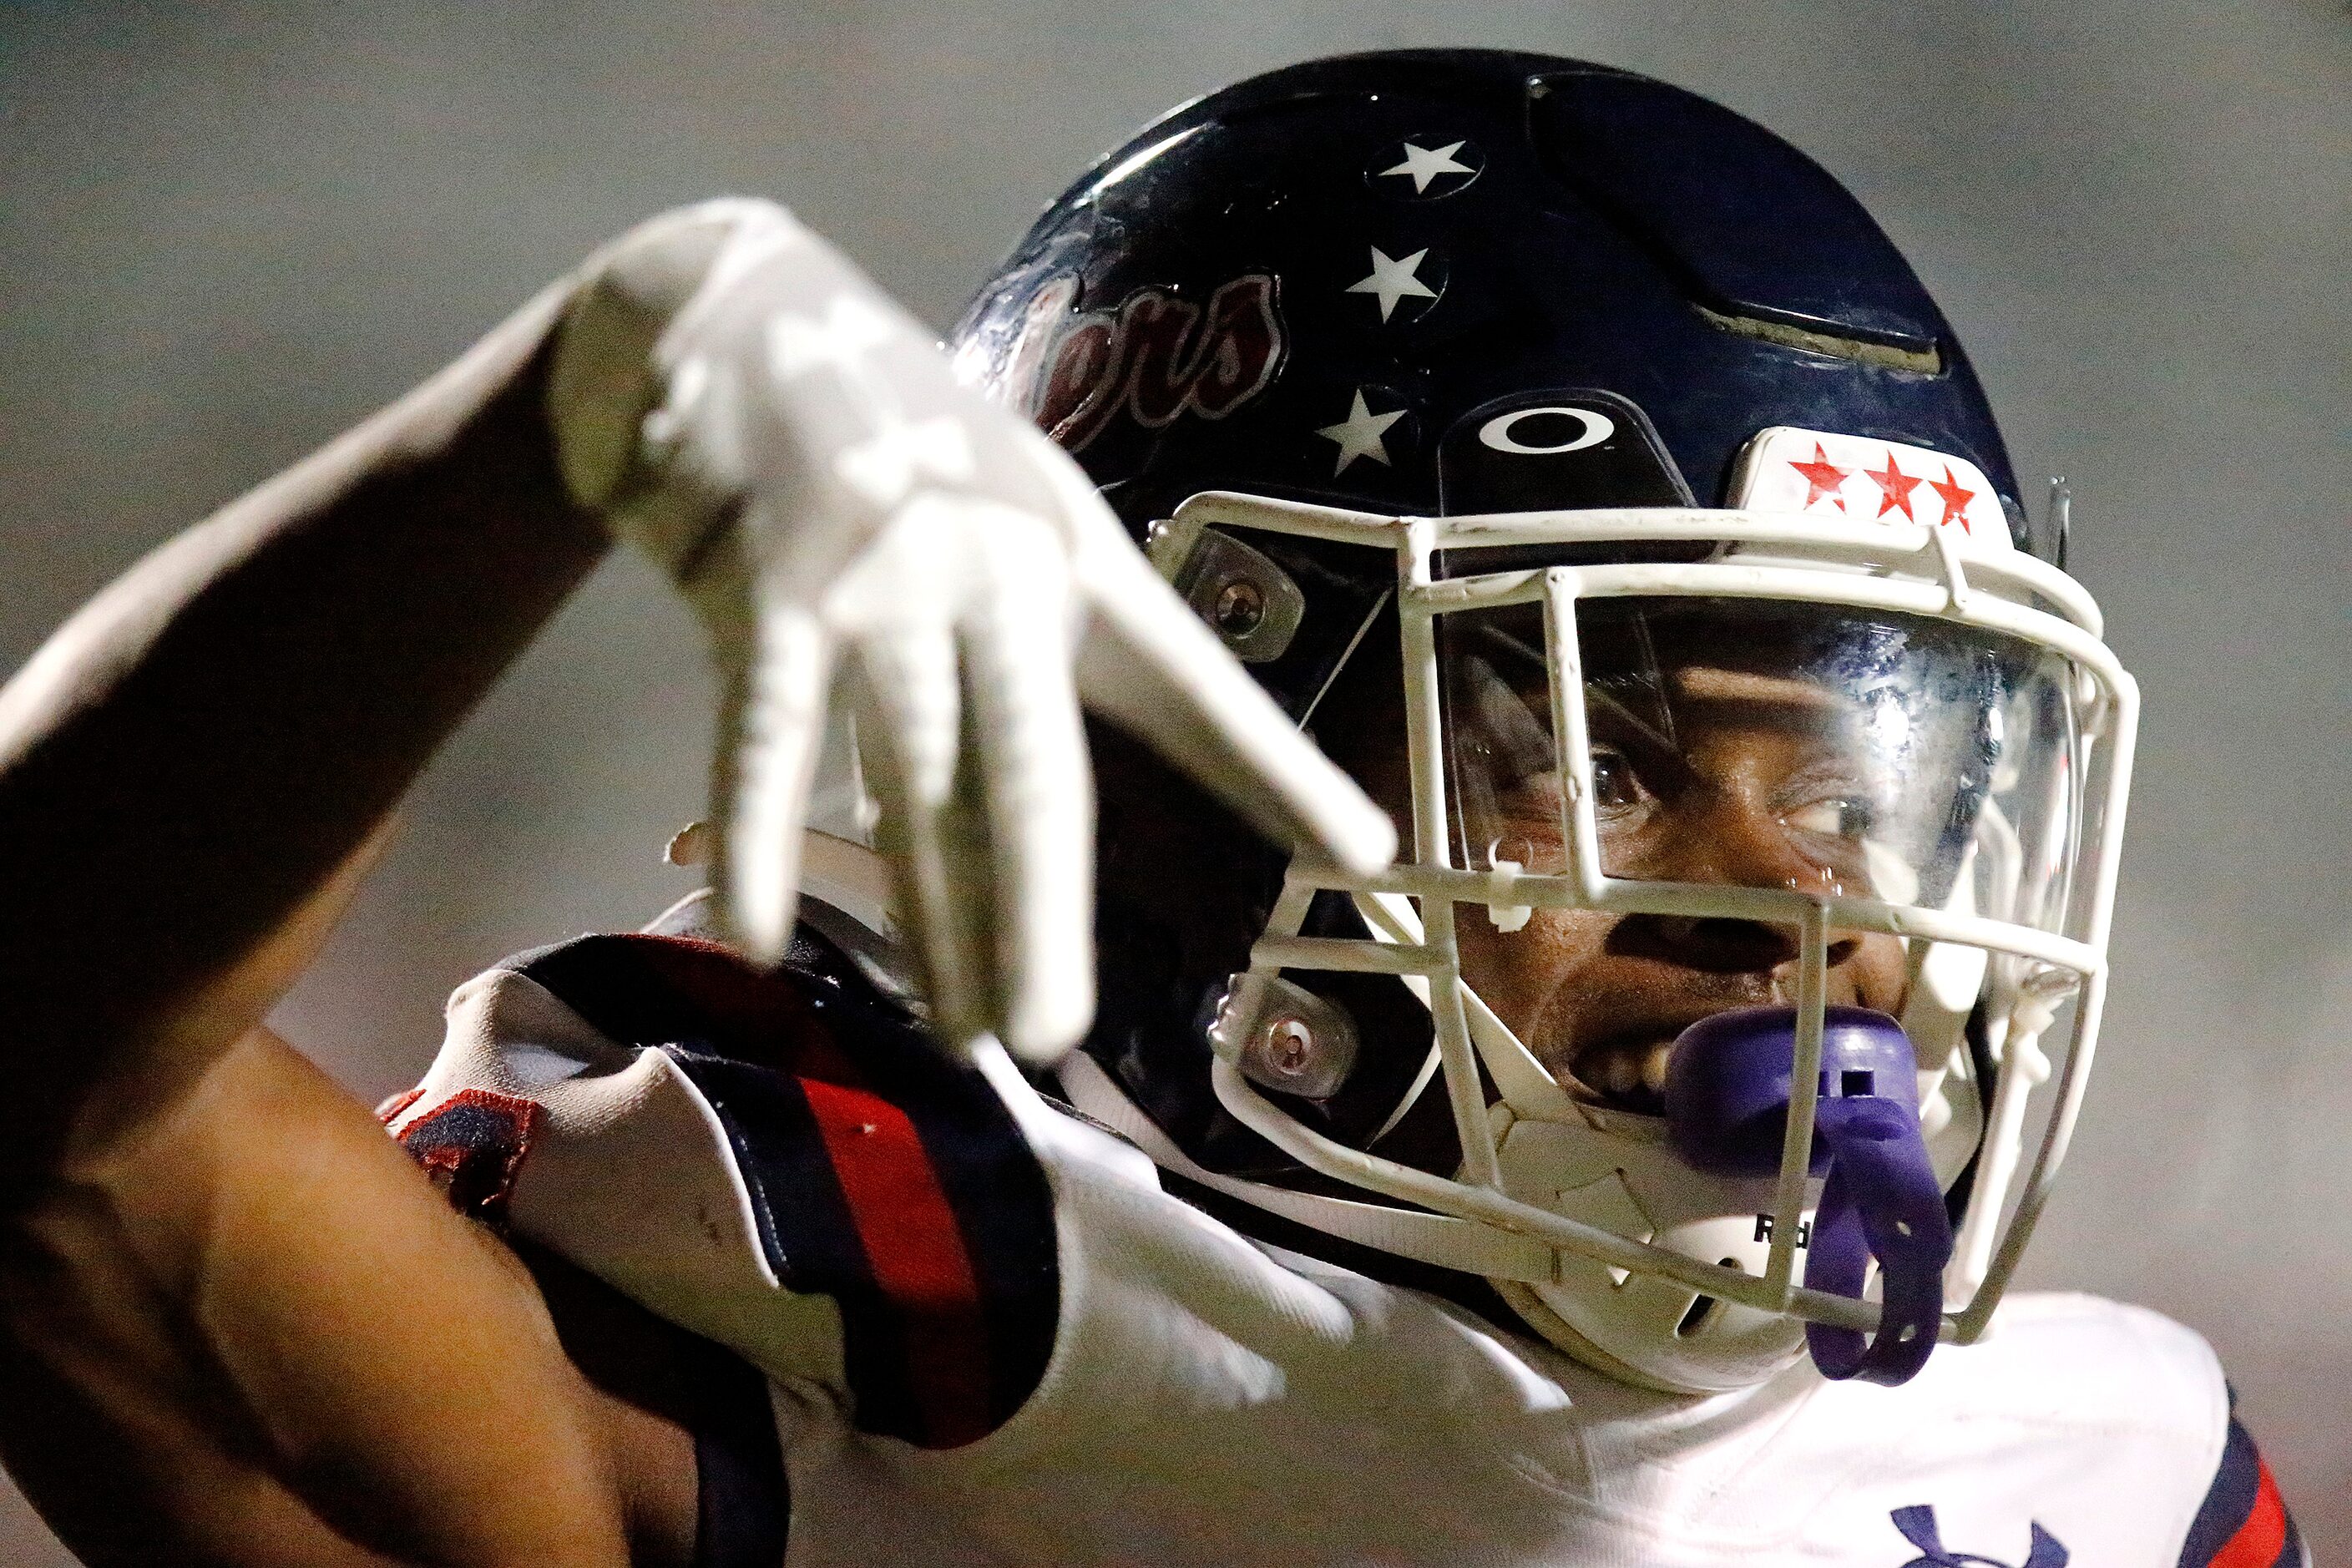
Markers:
{"x": 1710, "y": 683}
{"x": 1599, "y": 696}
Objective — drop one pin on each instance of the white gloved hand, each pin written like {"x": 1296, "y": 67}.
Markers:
{"x": 739, "y": 401}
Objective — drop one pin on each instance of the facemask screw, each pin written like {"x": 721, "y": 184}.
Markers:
{"x": 1240, "y": 606}
{"x": 1289, "y": 1046}
{"x": 1284, "y": 1037}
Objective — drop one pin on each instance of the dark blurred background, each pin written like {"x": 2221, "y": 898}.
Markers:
{"x": 228, "y": 231}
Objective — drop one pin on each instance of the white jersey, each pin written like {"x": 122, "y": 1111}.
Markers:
{"x": 1198, "y": 1397}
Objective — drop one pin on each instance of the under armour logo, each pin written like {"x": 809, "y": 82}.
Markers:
{"x": 1919, "y": 1528}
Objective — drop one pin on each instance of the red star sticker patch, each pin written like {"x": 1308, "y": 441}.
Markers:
{"x": 1894, "y": 487}
{"x": 1956, "y": 496}
{"x": 1822, "y": 478}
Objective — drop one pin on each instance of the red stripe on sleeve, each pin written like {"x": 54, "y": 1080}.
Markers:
{"x": 2263, "y": 1537}
{"x": 917, "y": 1253}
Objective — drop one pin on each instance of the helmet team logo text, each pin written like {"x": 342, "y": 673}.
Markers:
{"x": 1155, "y": 356}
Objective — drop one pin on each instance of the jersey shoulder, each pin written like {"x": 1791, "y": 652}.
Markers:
{"x": 2083, "y": 1361}
{"x": 2115, "y": 1368}
{"x": 2077, "y": 1429}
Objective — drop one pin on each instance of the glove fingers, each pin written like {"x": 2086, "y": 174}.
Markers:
{"x": 1150, "y": 665}
{"x": 1031, "y": 761}
{"x": 766, "y": 768}
{"x": 910, "y": 716}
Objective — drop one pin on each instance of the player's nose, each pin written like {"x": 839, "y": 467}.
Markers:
{"x": 1713, "y": 943}
{"x": 1725, "y": 836}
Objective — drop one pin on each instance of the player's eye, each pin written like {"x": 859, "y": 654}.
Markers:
{"x": 1836, "y": 816}
{"x": 1615, "y": 790}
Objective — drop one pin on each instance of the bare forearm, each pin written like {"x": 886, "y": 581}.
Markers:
{"x": 206, "y": 741}
{"x": 251, "y": 1333}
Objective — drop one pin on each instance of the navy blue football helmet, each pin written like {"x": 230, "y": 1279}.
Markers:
{"x": 1508, "y": 415}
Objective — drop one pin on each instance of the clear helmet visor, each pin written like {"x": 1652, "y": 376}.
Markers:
{"x": 1835, "y": 752}
{"x": 1845, "y": 752}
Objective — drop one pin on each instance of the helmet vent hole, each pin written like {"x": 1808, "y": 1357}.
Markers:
{"x": 1857, "y": 1080}
{"x": 1702, "y": 1308}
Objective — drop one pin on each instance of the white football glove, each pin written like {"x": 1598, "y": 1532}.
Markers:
{"x": 737, "y": 399}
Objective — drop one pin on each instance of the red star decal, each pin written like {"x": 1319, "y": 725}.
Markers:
{"x": 1896, "y": 486}
{"x": 1956, "y": 498}
{"x": 1822, "y": 478}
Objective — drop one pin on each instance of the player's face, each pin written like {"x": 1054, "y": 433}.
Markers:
{"x": 1829, "y": 753}
{"x": 1753, "y": 784}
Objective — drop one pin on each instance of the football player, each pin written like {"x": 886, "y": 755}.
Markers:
{"x": 1632, "y": 1172}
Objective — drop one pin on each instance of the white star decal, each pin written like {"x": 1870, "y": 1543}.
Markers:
{"x": 850, "y": 329}
{"x": 886, "y": 466}
{"x": 1359, "y": 435}
{"x": 1424, "y": 165}
{"x": 1392, "y": 279}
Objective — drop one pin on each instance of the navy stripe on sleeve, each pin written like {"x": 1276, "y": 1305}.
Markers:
{"x": 2242, "y": 1522}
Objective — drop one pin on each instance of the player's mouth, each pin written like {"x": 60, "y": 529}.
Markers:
{"x": 1625, "y": 1068}
{"x": 1628, "y": 1071}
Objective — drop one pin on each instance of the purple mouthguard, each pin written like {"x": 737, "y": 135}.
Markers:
{"x": 1727, "y": 1108}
